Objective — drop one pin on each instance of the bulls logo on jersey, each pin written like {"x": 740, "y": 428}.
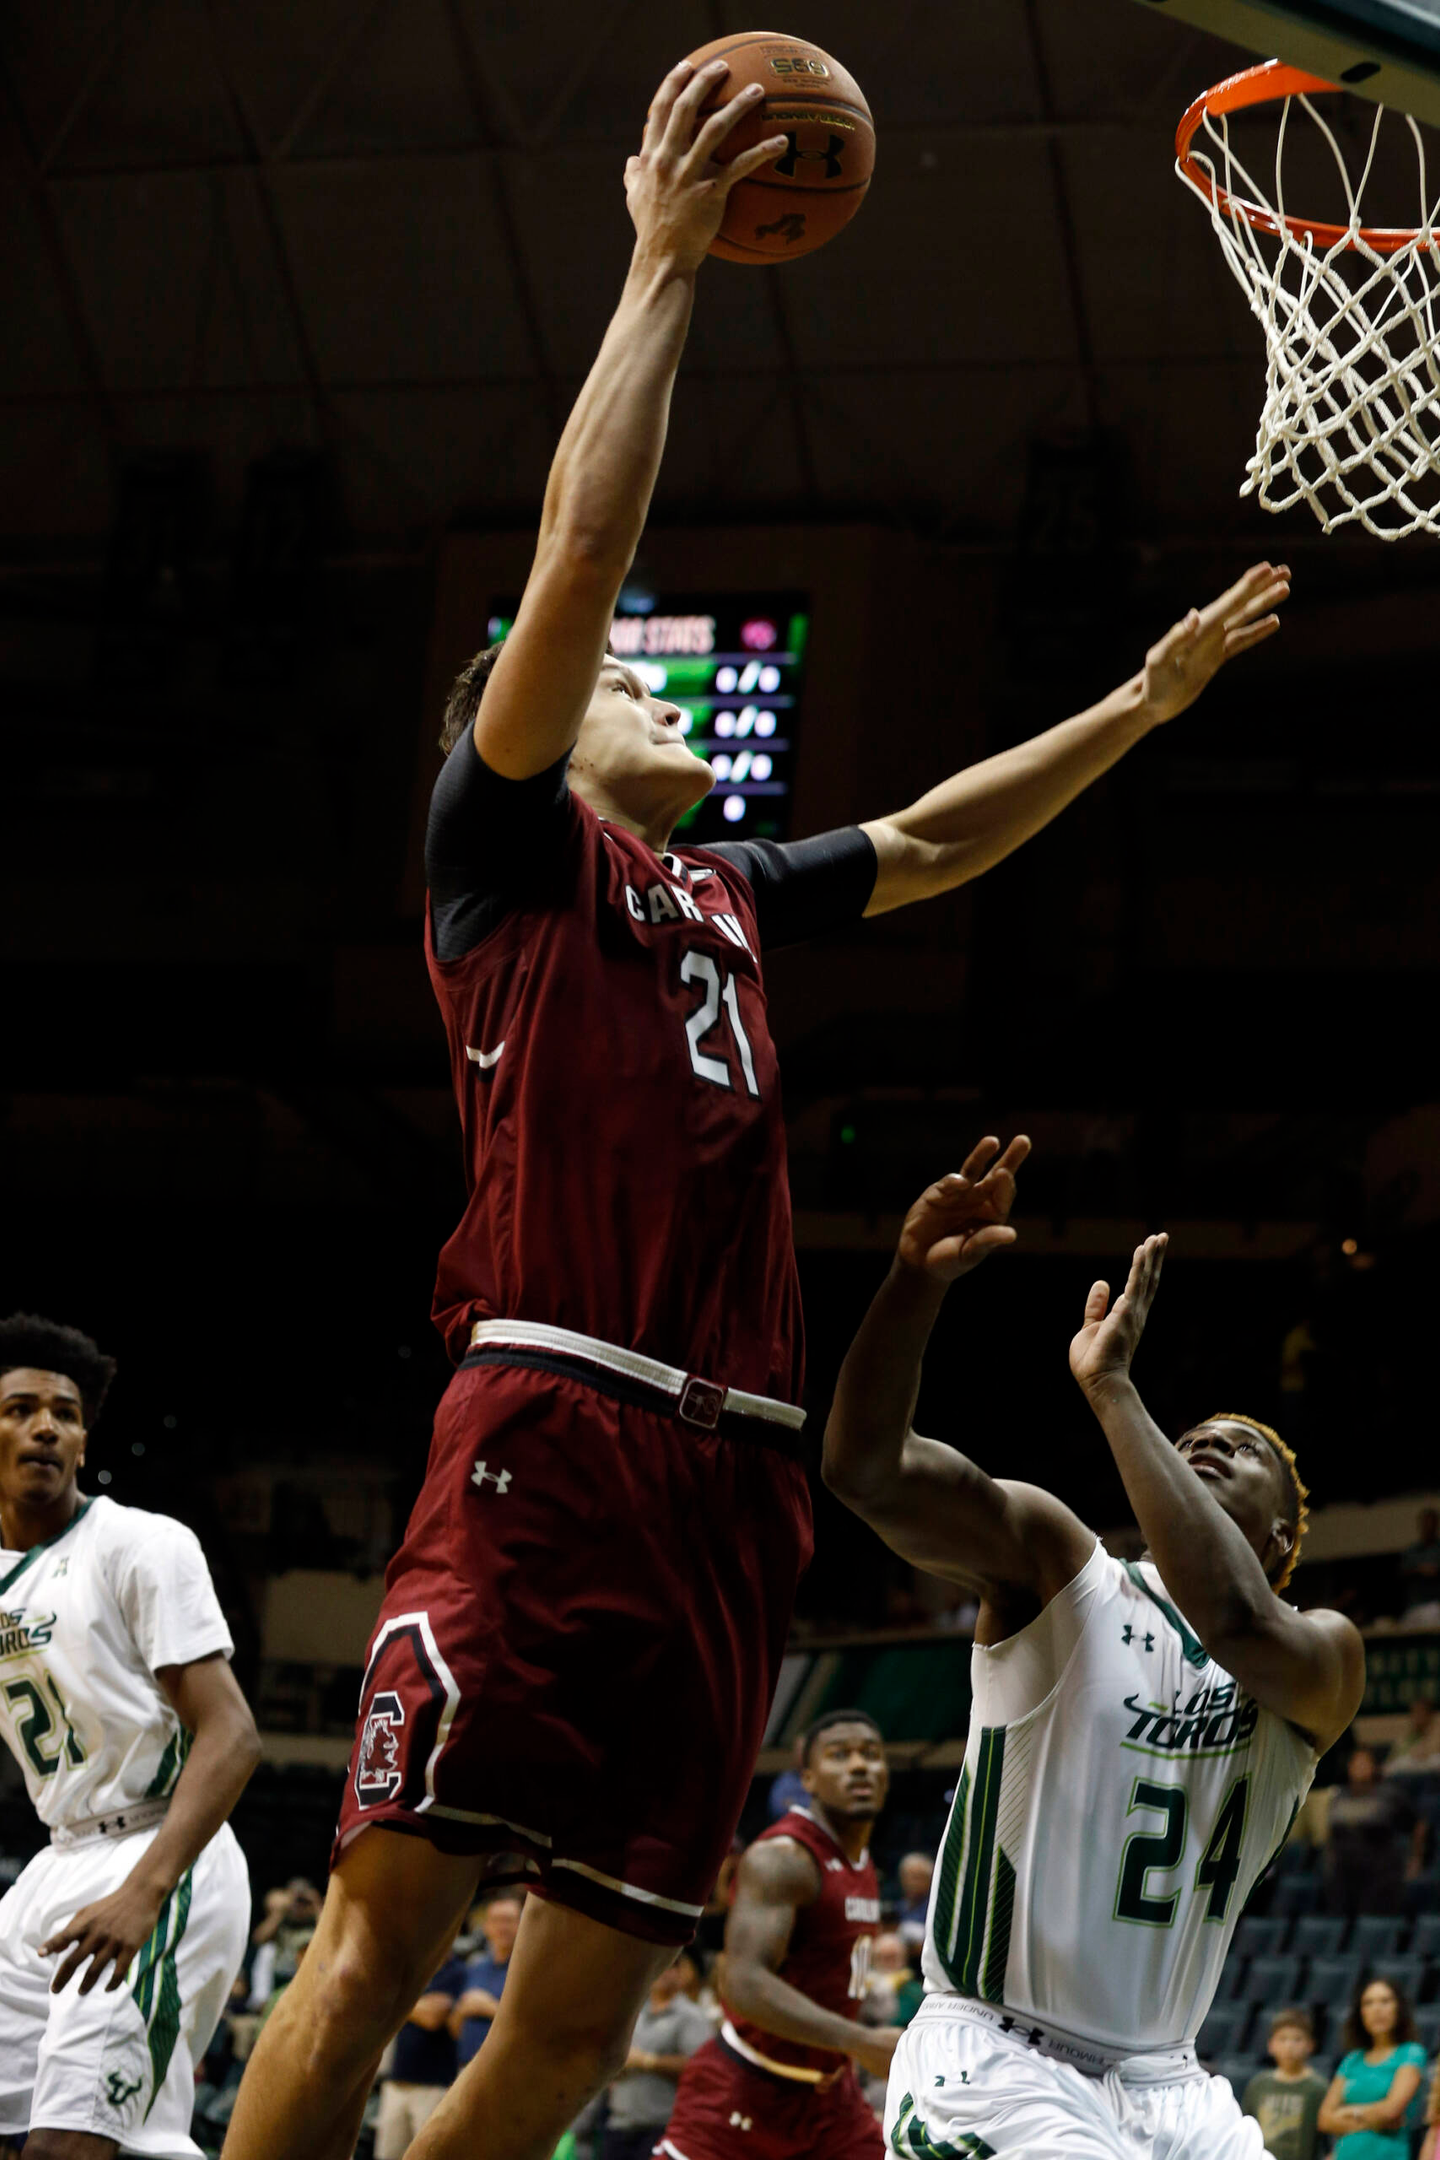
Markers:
{"x": 378, "y": 1772}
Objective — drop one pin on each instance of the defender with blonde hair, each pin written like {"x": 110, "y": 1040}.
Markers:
{"x": 1142, "y": 1733}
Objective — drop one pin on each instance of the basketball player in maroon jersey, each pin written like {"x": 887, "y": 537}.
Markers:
{"x": 779, "y": 2082}
{"x": 582, "y": 1629}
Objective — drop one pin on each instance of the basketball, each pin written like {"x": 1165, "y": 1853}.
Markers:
{"x": 818, "y": 184}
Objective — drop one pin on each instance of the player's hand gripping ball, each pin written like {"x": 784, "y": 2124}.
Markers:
{"x": 819, "y": 181}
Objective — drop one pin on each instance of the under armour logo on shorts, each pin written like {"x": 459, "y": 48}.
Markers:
{"x": 500, "y": 1479}
{"x": 739, "y": 2121}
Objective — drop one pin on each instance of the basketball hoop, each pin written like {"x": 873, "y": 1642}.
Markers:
{"x": 1351, "y": 315}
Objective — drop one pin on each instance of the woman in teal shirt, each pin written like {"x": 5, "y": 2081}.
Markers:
{"x": 1377, "y": 2080}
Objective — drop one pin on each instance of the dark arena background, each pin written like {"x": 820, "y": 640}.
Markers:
{"x": 297, "y": 298}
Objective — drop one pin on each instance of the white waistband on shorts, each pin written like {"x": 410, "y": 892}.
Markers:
{"x": 1093, "y": 2058}
{"x": 120, "y": 1822}
{"x": 795, "y": 2071}
{"x": 630, "y": 1365}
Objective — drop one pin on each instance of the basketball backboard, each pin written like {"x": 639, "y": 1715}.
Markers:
{"x": 1385, "y": 50}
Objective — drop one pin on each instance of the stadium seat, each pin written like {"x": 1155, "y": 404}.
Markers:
{"x": 1427, "y": 2027}
{"x": 1232, "y": 1980}
{"x": 1319, "y": 1935}
{"x": 1376, "y": 1935}
{"x": 1237, "y": 2070}
{"x": 1332, "y": 1982}
{"x": 1223, "y": 2031}
{"x": 1425, "y": 1942}
{"x": 1296, "y": 1894}
{"x": 1408, "y": 1973}
{"x": 1273, "y": 1981}
{"x": 1257, "y": 1937}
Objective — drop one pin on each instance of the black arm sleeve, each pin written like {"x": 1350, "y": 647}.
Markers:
{"x": 805, "y": 887}
{"x": 491, "y": 845}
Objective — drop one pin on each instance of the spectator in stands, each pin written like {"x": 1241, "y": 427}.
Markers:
{"x": 893, "y": 1992}
{"x": 1377, "y": 2077}
{"x": 474, "y": 2013}
{"x": 1419, "y": 1750}
{"x": 1374, "y": 1841}
{"x": 787, "y": 1789}
{"x": 917, "y": 1870}
{"x": 291, "y": 1912}
{"x": 1286, "y": 2101}
{"x": 1420, "y": 1572}
{"x": 294, "y": 1959}
{"x": 422, "y": 2064}
{"x": 667, "y": 2033}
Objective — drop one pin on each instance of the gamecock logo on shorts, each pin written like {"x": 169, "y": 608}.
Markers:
{"x": 378, "y": 1773}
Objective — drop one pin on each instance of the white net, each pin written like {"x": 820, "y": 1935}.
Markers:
{"x": 1351, "y": 421}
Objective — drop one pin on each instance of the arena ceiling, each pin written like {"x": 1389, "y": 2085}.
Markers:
{"x": 393, "y": 230}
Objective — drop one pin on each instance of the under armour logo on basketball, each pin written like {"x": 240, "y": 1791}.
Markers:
{"x": 790, "y": 227}
{"x": 500, "y": 1479}
{"x": 829, "y": 157}
{"x": 119, "y": 2089}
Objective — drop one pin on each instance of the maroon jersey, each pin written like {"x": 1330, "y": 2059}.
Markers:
{"x": 620, "y": 1105}
{"x": 829, "y": 1954}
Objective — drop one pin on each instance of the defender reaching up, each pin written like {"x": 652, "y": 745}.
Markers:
{"x": 1142, "y": 1733}
{"x": 615, "y": 1514}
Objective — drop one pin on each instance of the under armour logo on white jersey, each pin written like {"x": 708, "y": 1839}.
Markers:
{"x": 741, "y": 2122}
{"x": 500, "y": 1479}
{"x": 485, "y": 1059}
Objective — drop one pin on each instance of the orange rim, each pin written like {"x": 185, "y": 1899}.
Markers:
{"x": 1265, "y": 85}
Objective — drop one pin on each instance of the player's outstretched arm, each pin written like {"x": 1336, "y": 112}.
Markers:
{"x": 604, "y": 469}
{"x": 224, "y": 1750}
{"x": 773, "y": 1881}
{"x": 1307, "y": 1667}
{"x": 929, "y": 1502}
{"x": 972, "y": 821}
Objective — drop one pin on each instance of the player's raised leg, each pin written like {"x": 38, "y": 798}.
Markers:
{"x": 572, "y": 1995}
{"x": 391, "y": 1911}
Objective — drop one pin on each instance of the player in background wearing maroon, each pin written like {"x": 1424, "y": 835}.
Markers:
{"x": 582, "y": 1630}
{"x": 779, "y": 2082}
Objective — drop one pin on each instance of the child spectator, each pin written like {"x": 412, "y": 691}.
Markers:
{"x": 1286, "y": 2101}
{"x": 1376, "y": 2079}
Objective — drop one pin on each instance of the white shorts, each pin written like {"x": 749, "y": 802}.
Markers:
{"x": 962, "y": 2088}
{"x": 118, "y": 2065}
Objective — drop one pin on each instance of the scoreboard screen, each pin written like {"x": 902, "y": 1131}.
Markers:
{"x": 735, "y": 666}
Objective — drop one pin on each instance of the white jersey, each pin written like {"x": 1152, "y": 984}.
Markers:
{"x": 85, "y": 1622}
{"x": 1119, "y": 1799}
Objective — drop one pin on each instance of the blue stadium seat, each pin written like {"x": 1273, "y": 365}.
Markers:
{"x": 1376, "y": 1936}
{"x": 1223, "y": 2031}
{"x": 1319, "y": 1935}
{"x": 1273, "y": 1981}
{"x": 1296, "y": 1858}
{"x": 1237, "y": 2070}
{"x": 1232, "y": 1980}
{"x": 1427, "y": 2027}
{"x": 1408, "y": 1973}
{"x": 1332, "y": 1982}
{"x": 1425, "y": 1942}
{"x": 1296, "y": 1894}
{"x": 1257, "y": 1937}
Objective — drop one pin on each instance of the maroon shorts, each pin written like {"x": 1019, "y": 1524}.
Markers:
{"x": 579, "y": 1644}
{"x": 725, "y": 2110}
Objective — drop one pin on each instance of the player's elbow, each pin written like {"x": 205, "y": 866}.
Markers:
{"x": 590, "y": 549}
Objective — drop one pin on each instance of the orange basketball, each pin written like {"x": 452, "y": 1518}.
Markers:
{"x": 804, "y": 198}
